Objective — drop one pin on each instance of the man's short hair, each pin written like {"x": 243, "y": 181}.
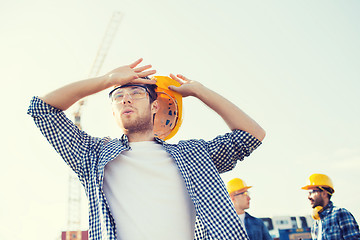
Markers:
{"x": 328, "y": 190}
{"x": 152, "y": 92}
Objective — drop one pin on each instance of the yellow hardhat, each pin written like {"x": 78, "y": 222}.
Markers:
{"x": 319, "y": 180}
{"x": 169, "y": 117}
{"x": 237, "y": 184}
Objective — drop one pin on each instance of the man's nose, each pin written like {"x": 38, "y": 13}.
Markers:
{"x": 126, "y": 98}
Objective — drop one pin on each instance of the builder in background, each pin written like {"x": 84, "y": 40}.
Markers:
{"x": 255, "y": 227}
{"x": 330, "y": 222}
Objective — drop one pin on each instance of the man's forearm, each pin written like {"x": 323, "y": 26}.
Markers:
{"x": 65, "y": 97}
{"x": 234, "y": 117}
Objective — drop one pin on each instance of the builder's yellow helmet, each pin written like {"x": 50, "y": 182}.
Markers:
{"x": 237, "y": 184}
{"x": 319, "y": 180}
{"x": 169, "y": 117}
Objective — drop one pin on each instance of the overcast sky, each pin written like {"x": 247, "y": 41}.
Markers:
{"x": 291, "y": 65}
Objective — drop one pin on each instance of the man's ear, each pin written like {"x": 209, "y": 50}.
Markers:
{"x": 232, "y": 197}
{"x": 155, "y": 106}
{"x": 324, "y": 194}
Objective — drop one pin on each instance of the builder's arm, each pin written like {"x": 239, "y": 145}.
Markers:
{"x": 234, "y": 117}
{"x": 66, "y": 96}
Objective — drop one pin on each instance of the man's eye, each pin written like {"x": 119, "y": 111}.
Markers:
{"x": 136, "y": 92}
{"x": 119, "y": 95}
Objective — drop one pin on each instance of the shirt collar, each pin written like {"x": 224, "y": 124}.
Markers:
{"x": 125, "y": 140}
{"x": 160, "y": 140}
{"x": 327, "y": 209}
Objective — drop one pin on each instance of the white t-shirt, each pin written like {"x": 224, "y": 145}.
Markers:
{"x": 319, "y": 236}
{"x": 242, "y": 220}
{"x": 147, "y": 195}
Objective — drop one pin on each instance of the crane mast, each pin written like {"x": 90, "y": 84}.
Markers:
{"x": 74, "y": 199}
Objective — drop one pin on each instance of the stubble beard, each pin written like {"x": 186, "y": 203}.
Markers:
{"x": 318, "y": 202}
{"x": 139, "y": 125}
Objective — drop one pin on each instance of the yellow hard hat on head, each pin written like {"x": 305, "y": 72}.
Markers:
{"x": 319, "y": 180}
{"x": 237, "y": 184}
{"x": 169, "y": 117}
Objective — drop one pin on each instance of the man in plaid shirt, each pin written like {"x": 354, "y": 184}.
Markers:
{"x": 331, "y": 222}
{"x": 139, "y": 186}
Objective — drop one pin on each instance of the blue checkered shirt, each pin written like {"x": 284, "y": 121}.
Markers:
{"x": 337, "y": 223}
{"x": 198, "y": 161}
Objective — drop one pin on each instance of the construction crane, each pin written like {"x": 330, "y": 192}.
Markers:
{"x": 74, "y": 199}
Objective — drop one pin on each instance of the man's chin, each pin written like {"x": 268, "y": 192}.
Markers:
{"x": 314, "y": 206}
{"x": 129, "y": 124}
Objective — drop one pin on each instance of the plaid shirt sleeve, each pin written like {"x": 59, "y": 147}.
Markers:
{"x": 68, "y": 140}
{"x": 200, "y": 163}
{"x": 337, "y": 223}
{"x": 348, "y": 225}
{"x": 226, "y": 150}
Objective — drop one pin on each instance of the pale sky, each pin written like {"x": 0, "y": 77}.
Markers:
{"x": 291, "y": 65}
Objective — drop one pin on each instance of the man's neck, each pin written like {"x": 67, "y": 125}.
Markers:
{"x": 240, "y": 211}
{"x": 326, "y": 202}
{"x": 140, "y": 136}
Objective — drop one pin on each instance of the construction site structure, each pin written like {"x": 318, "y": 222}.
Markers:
{"x": 74, "y": 200}
{"x": 289, "y": 227}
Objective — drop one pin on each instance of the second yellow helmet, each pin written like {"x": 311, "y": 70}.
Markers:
{"x": 319, "y": 180}
{"x": 237, "y": 184}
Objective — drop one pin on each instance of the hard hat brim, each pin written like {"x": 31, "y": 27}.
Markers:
{"x": 241, "y": 190}
{"x": 310, "y": 187}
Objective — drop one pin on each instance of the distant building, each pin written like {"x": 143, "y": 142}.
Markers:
{"x": 288, "y": 224}
{"x": 75, "y": 235}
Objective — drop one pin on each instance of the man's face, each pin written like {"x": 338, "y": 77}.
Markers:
{"x": 240, "y": 199}
{"x": 132, "y": 109}
{"x": 316, "y": 197}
